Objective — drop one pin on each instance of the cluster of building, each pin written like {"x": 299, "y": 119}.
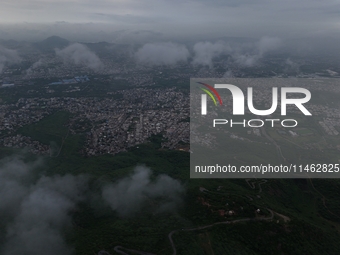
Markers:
{"x": 110, "y": 125}
{"x": 77, "y": 79}
{"x": 140, "y": 114}
{"x": 24, "y": 112}
{"x": 19, "y": 141}
{"x": 126, "y": 118}
{"x": 328, "y": 126}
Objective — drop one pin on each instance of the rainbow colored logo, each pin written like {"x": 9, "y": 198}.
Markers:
{"x": 213, "y": 90}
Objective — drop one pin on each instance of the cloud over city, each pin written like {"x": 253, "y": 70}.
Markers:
{"x": 8, "y": 56}
{"x": 79, "y": 54}
{"x": 128, "y": 195}
{"x": 37, "y": 210}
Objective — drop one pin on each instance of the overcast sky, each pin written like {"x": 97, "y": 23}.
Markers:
{"x": 245, "y": 18}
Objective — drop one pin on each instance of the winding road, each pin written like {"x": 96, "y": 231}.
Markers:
{"x": 119, "y": 250}
{"x": 214, "y": 224}
{"x": 252, "y": 184}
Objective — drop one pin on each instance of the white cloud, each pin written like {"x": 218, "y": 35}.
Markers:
{"x": 204, "y": 52}
{"x": 36, "y": 212}
{"x": 79, "y": 54}
{"x": 128, "y": 195}
{"x": 8, "y": 57}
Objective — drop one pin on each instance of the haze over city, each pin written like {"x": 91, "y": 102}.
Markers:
{"x": 99, "y": 121}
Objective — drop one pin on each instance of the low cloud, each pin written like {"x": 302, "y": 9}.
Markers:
{"x": 8, "y": 57}
{"x": 268, "y": 43}
{"x": 34, "y": 66}
{"x": 204, "y": 52}
{"x": 247, "y": 60}
{"x": 228, "y": 74}
{"x": 37, "y": 212}
{"x": 79, "y": 54}
{"x": 127, "y": 196}
{"x": 162, "y": 54}
{"x": 292, "y": 66}
{"x": 242, "y": 54}
{"x": 248, "y": 55}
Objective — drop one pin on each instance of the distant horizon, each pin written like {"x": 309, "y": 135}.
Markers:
{"x": 168, "y": 20}
{"x": 105, "y": 32}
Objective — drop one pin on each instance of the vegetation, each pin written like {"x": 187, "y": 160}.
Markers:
{"x": 305, "y": 212}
